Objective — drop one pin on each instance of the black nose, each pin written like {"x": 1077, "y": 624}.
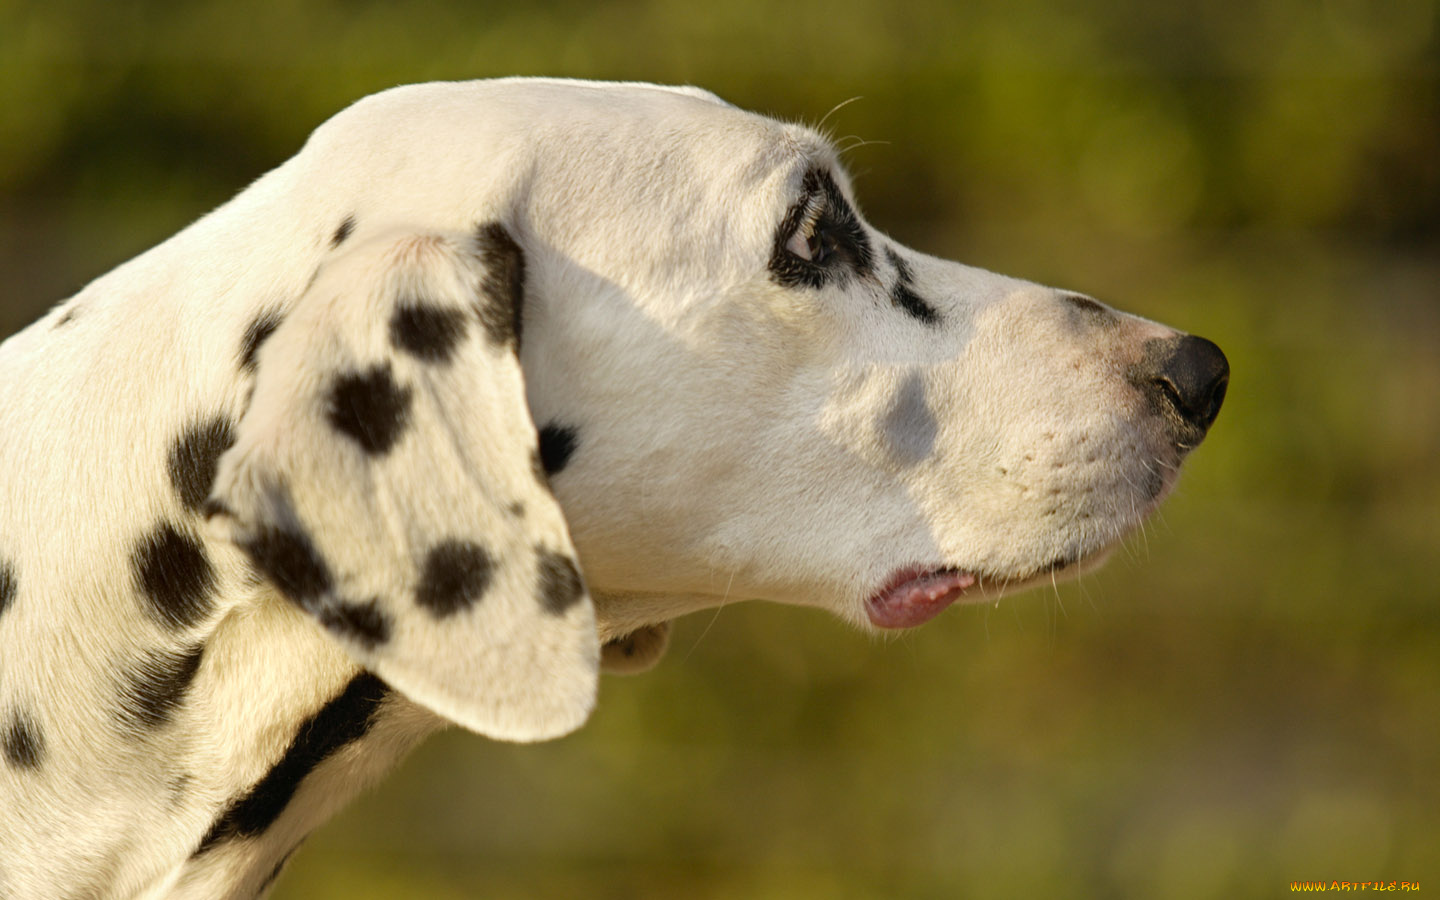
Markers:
{"x": 1185, "y": 379}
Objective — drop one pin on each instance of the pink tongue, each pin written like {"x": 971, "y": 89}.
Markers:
{"x": 916, "y": 599}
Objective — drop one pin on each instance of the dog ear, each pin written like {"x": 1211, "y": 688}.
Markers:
{"x": 386, "y": 480}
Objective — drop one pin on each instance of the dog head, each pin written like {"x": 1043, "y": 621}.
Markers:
{"x": 738, "y": 389}
{"x": 758, "y": 395}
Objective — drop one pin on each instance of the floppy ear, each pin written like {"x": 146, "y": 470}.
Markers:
{"x": 386, "y": 480}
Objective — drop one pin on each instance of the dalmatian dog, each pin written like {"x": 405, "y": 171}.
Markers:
{"x": 466, "y": 402}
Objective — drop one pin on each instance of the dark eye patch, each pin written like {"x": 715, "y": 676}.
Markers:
{"x": 838, "y": 229}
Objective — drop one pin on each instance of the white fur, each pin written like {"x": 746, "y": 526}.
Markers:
{"x": 737, "y": 439}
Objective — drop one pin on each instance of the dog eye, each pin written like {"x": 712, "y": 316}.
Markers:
{"x": 813, "y": 243}
{"x": 820, "y": 240}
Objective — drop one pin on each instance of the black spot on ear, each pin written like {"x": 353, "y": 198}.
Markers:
{"x": 174, "y": 575}
{"x": 290, "y": 561}
{"x": 370, "y": 408}
{"x": 196, "y": 456}
{"x": 501, "y": 306}
{"x": 215, "y": 507}
{"x": 427, "y": 332}
{"x": 557, "y": 444}
{"x": 155, "y": 687}
{"x": 346, "y": 228}
{"x": 24, "y": 744}
{"x": 455, "y": 577}
{"x": 260, "y": 329}
{"x": 903, "y": 295}
{"x": 66, "y": 318}
{"x": 9, "y": 585}
{"x": 364, "y": 623}
{"x": 342, "y": 721}
{"x": 560, "y": 585}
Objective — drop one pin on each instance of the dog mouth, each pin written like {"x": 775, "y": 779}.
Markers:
{"x": 914, "y": 596}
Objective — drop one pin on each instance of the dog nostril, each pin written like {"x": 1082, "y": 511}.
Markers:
{"x": 1167, "y": 389}
{"x": 1186, "y": 378}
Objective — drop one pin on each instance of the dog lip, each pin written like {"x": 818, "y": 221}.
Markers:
{"x": 914, "y": 596}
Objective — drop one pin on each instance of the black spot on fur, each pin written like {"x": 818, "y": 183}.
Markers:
{"x": 455, "y": 577}
{"x": 909, "y": 426}
{"x": 215, "y": 507}
{"x": 364, "y": 623}
{"x": 905, "y": 298}
{"x": 179, "y": 789}
{"x": 903, "y": 272}
{"x": 1089, "y": 311}
{"x": 822, "y": 206}
{"x": 156, "y": 686}
{"x": 903, "y": 295}
{"x": 9, "y": 585}
{"x": 66, "y": 318}
{"x": 370, "y": 408}
{"x": 24, "y": 744}
{"x": 427, "y": 332}
{"x": 501, "y": 306}
{"x": 255, "y": 335}
{"x": 289, "y": 559}
{"x": 342, "y": 721}
{"x": 175, "y": 576}
{"x": 195, "y": 458}
{"x": 1085, "y": 304}
{"x": 557, "y": 443}
{"x": 560, "y": 585}
{"x": 346, "y": 228}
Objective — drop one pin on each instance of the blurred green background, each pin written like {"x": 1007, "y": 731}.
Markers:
{"x": 1247, "y": 696}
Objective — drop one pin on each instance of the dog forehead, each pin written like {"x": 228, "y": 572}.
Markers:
{"x": 578, "y": 136}
{"x": 666, "y": 144}
{"x": 636, "y": 182}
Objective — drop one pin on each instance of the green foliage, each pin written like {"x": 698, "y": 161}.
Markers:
{"x": 1246, "y": 696}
